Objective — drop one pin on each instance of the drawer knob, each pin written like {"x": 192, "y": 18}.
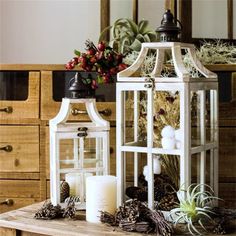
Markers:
{"x": 105, "y": 112}
{"x": 8, "y": 202}
{"x": 6, "y": 109}
{"x": 7, "y": 148}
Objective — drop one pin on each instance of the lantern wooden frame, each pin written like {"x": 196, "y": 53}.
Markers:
{"x": 129, "y": 80}
{"x": 60, "y": 128}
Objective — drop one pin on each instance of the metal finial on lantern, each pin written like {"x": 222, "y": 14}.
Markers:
{"x": 78, "y": 89}
{"x": 168, "y": 30}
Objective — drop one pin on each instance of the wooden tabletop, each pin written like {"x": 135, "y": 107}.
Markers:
{"x": 23, "y": 220}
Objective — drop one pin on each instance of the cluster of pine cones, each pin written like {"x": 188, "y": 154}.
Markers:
{"x": 164, "y": 193}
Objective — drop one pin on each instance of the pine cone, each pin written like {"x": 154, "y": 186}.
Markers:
{"x": 69, "y": 211}
{"x": 168, "y": 202}
{"x": 64, "y": 190}
{"x": 48, "y": 211}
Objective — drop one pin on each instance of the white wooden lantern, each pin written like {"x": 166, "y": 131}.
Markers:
{"x": 201, "y": 145}
{"x": 77, "y": 149}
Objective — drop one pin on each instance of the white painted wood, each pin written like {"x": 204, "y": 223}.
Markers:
{"x": 136, "y": 117}
{"x": 160, "y": 53}
{"x": 60, "y": 129}
{"x": 179, "y": 64}
{"x": 202, "y": 94}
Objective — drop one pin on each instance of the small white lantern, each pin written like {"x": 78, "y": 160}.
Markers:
{"x": 77, "y": 149}
{"x": 194, "y": 140}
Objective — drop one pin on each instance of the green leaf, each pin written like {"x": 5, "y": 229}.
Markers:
{"x": 133, "y": 26}
{"x": 143, "y": 26}
{"x": 77, "y": 53}
{"x": 100, "y": 79}
{"x": 140, "y": 37}
{"x": 136, "y": 45}
{"x": 103, "y": 33}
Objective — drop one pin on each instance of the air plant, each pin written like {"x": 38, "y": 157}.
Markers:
{"x": 195, "y": 207}
{"x": 128, "y": 36}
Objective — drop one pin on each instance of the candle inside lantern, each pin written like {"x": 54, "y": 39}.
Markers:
{"x": 100, "y": 196}
{"x": 76, "y": 183}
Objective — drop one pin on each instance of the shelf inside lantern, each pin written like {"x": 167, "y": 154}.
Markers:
{"x": 167, "y": 108}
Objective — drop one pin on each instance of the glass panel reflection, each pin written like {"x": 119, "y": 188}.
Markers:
{"x": 14, "y": 85}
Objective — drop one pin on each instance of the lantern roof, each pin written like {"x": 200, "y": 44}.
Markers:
{"x": 60, "y": 122}
{"x": 176, "y": 50}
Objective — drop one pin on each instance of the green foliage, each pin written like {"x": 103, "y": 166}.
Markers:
{"x": 195, "y": 208}
{"x": 128, "y": 36}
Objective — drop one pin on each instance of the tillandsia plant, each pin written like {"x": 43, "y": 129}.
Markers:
{"x": 102, "y": 59}
{"x": 128, "y": 36}
{"x": 195, "y": 208}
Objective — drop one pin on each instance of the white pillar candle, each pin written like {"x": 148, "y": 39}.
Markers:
{"x": 100, "y": 196}
{"x": 73, "y": 179}
{"x": 76, "y": 183}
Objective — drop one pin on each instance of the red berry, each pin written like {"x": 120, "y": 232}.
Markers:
{"x": 75, "y": 60}
{"x": 119, "y": 58}
{"x": 101, "y": 46}
{"x": 99, "y": 55}
{"x": 106, "y": 79}
{"x": 70, "y": 65}
{"x": 91, "y": 52}
{"x": 122, "y": 66}
{"x": 113, "y": 71}
{"x": 94, "y": 84}
{"x": 93, "y": 59}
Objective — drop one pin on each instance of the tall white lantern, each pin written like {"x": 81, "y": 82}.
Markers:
{"x": 195, "y": 135}
{"x": 77, "y": 149}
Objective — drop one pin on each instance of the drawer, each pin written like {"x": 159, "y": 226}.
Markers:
{"x": 50, "y": 107}
{"x": 9, "y": 204}
{"x": 19, "y": 189}
{"x": 24, "y": 156}
{"x": 13, "y": 108}
{"x": 19, "y": 192}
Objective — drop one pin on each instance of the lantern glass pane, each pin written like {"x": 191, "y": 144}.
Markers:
{"x": 196, "y": 123}
{"x": 211, "y": 125}
{"x": 135, "y": 118}
{"x": 195, "y": 168}
{"x": 166, "y": 112}
{"x": 201, "y": 167}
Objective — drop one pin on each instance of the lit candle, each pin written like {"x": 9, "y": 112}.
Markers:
{"x": 100, "y": 196}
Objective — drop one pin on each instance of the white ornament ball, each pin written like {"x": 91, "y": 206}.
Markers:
{"x": 168, "y": 132}
{"x": 177, "y": 144}
{"x": 156, "y": 165}
{"x": 145, "y": 171}
{"x": 178, "y": 135}
{"x": 168, "y": 143}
